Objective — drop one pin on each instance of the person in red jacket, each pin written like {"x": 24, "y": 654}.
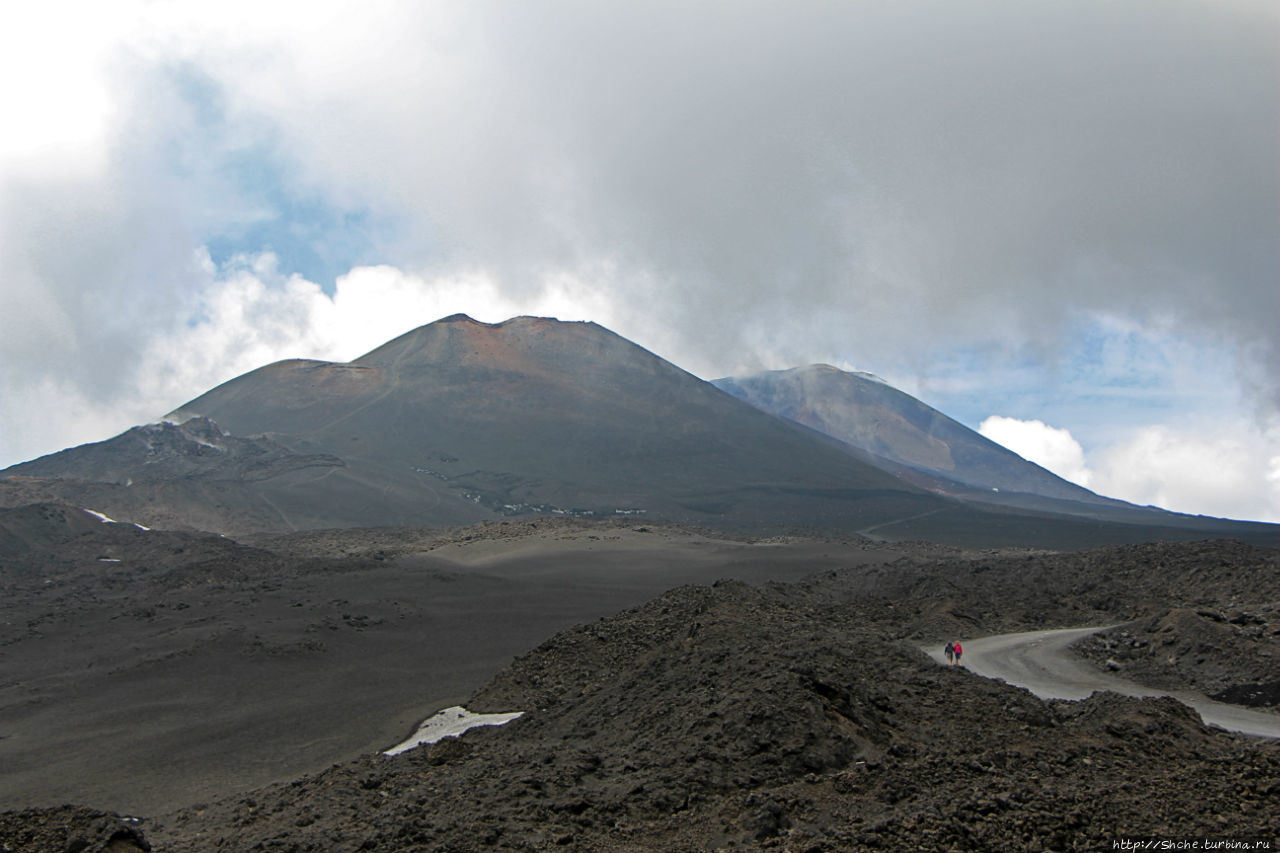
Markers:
{"x": 955, "y": 648}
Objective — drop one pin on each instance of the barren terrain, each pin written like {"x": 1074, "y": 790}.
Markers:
{"x": 237, "y": 696}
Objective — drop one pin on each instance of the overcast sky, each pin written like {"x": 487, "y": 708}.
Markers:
{"x": 1057, "y": 221}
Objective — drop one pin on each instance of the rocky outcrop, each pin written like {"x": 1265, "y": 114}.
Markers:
{"x": 732, "y": 718}
{"x": 70, "y": 829}
{"x": 1232, "y": 656}
{"x": 791, "y": 716}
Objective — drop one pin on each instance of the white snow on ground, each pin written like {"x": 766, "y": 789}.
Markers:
{"x": 107, "y": 520}
{"x": 450, "y": 722}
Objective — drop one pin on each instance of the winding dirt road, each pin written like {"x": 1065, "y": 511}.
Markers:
{"x": 1041, "y": 662}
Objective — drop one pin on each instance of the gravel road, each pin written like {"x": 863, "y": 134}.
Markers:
{"x": 1041, "y": 661}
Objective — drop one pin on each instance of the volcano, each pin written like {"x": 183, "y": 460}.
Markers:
{"x": 922, "y": 446}
{"x": 910, "y": 438}
{"x": 460, "y": 421}
{"x": 149, "y": 668}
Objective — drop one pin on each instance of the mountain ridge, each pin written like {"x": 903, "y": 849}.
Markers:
{"x": 867, "y": 412}
{"x": 458, "y": 421}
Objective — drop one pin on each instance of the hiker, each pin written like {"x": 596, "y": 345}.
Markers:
{"x": 957, "y": 651}
{"x": 950, "y": 652}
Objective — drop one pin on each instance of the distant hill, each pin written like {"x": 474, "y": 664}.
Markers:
{"x": 460, "y": 421}
{"x": 866, "y": 412}
{"x": 916, "y": 442}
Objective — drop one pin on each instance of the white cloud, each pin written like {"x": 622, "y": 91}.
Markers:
{"x": 45, "y": 416}
{"x": 739, "y": 161}
{"x": 248, "y": 314}
{"x": 55, "y": 96}
{"x": 1229, "y": 470}
{"x": 1049, "y": 447}
{"x": 732, "y": 186}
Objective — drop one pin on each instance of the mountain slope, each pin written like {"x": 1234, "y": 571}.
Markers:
{"x": 903, "y": 436}
{"x": 459, "y": 420}
{"x": 781, "y": 718}
{"x": 910, "y": 438}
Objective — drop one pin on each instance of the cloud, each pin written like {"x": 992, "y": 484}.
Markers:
{"x": 58, "y": 107}
{"x": 941, "y": 193}
{"x": 247, "y": 313}
{"x": 974, "y": 171}
{"x": 250, "y": 314}
{"x": 1210, "y": 473}
{"x": 1210, "y": 469}
{"x": 818, "y": 184}
{"x": 1049, "y": 447}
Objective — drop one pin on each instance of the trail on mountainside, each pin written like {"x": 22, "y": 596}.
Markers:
{"x": 1042, "y": 662}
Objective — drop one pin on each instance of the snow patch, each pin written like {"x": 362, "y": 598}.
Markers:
{"x": 450, "y": 722}
{"x": 108, "y": 520}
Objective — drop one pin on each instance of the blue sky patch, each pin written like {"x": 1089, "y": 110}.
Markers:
{"x": 267, "y": 207}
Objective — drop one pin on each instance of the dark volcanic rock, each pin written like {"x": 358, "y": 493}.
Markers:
{"x": 989, "y": 592}
{"x": 796, "y": 716}
{"x": 731, "y": 717}
{"x": 144, "y": 670}
{"x": 1199, "y": 616}
{"x": 1231, "y": 656}
{"x": 166, "y": 451}
{"x": 69, "y": 829}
